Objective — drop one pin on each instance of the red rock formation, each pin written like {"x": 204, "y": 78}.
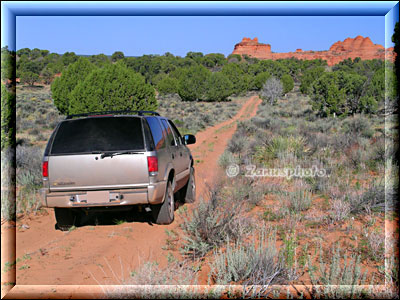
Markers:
{"x": 349, "y": 48}
{"x": 253, "y": 47}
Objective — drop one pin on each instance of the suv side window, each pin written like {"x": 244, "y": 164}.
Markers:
{"x": 148, "y": 137}
{"x": 170, "y": 137}
{"x": 157, "y": 132}
{"x": 176, "y": 133}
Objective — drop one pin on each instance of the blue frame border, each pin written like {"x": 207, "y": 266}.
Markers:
{"x": 11, "y": 9}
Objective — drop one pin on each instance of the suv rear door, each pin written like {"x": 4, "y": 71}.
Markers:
{"x": 75, "y": 156}
{"x": 180, "y": 157}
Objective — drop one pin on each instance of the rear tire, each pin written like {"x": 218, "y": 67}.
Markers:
{"x": 65, "y": 217}
{"x": 163, "y": 214}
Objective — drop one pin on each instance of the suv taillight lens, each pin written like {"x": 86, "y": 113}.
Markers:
{"x": 152, "y": 163}
{"x": 45, "y": 169}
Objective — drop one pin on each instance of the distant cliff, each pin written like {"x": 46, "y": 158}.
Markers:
{"x": 349, "y": 48}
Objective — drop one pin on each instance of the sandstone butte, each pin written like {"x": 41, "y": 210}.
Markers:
{"x": 349, "y": 48}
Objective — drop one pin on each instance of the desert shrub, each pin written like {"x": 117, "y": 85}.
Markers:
{"x": 150, "y": 273}
{"x": 28, "y": 200}
{"x": 23, "y": 142}
{"x": 357, "y": 157}
{"x": 227, "y": 158}
{"x": 211, "y": 223}
{"x": 340, "y": 141}
{"x": 246, "y": 264}
{"x": 245, "y": 128}
{"x": 34, "y": 131}
{"x": 296, "y": 201}
{"x": 377, "y": 153}
{"x": 29, "y": 166}
{"x": 39, "y": 120}
{"x": 317, "y": 141}
{"x": 271, "y": 90}
{"x": 260, "y": 122}
{"x": 238, "y": 144}
{"x": 29, "y": 178}
{"x": 257, "y": 194}
{"x": 376, "y": 243}
{"x": 339, "y": 276}
{"x": 278, "y": 146}
{"x": 339, "y": 210}
{"x": 27, "y": 107}
{"x": 41, "y": 137}
{"x": 371, "y": 198}
{"x": 358, "y": 125}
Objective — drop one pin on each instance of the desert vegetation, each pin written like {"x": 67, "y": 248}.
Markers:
{"x": 322, "y": 228}
{"x": 327, "y": 230}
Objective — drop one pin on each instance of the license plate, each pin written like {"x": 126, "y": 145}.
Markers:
{"x": 98, "y": 197}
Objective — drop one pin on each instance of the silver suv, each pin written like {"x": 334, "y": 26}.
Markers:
{"x": 117, "y": 159}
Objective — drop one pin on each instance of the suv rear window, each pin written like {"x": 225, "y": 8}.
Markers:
{"x": 98, "y": 134}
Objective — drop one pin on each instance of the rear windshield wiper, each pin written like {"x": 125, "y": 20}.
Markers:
{"x": 111, "y": 154}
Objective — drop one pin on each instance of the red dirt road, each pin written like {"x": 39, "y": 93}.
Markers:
{"x": 106, "y": 254}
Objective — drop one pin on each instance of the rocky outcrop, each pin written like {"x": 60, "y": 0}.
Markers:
{"x": 252, "y": 47}
{"x": 349, "y": 48}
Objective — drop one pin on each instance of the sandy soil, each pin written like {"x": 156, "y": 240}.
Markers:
{"x": 107, "y": 253}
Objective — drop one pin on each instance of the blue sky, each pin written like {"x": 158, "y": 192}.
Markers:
{"x": 136, "y": 36}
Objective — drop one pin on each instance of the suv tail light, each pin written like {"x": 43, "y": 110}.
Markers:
{"x": 152, "y": 163}
{"x": 45, "y": 169}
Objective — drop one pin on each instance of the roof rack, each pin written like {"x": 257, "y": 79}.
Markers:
{"x": 99, "y": 113}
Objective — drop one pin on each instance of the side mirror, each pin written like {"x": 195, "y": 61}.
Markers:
{"x": 189, "y": 139}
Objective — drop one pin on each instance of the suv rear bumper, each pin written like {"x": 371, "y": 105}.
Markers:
{"x": 150, "y": 194}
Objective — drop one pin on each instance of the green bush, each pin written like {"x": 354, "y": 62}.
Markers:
{"x": 167, "y": 85}
{"x": 192, "y": 84}
{"x": 339, "y": 93}
{"x": 237, "y": 76}
{"x": 308, "y": 77}
{"x": 219, "y": 87}
{"x": 259, "y": 80}
{"x": 63, "y": 86}
{"x": 29, "y": 77}
{"x": 287, "y": 83}
{"x": 114, "y": 87}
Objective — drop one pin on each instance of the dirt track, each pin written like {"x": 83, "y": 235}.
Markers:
{"x": 107, "y": 253}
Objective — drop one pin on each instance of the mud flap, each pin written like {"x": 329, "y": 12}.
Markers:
{"x": 189, "y": 190}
